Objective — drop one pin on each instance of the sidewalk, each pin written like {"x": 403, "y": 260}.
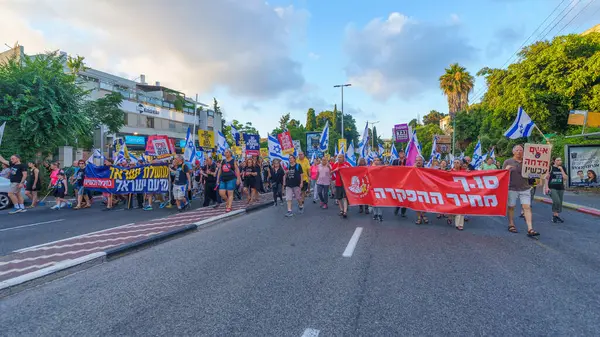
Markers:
{"x": 584, "y": 202}
{"x": 33, "y": 265}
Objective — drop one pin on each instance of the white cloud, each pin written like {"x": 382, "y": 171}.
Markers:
{"x": 189, "y": 45}
{"x": 314, "y": 56}
{"x": 402, "y": 56}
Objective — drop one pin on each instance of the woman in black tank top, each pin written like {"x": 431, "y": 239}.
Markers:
{"x": 228, "y": 178}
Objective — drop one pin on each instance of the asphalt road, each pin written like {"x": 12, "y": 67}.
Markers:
{"x": 42, "y": 224}
{"x": 265, "y": 275}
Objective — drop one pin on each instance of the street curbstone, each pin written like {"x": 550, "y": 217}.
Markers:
{"x": 59, "y": 270}
{"x": 575, "y": 207}
{"x": 137, "y": 245}
{"x": 257, "y": 207}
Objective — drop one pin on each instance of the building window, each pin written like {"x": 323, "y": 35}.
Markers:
{"x": 210, "y": 113}
{"x": 210, "y": 128}
{"x": 171, "y": 125}
{"x": 150, "y": 122}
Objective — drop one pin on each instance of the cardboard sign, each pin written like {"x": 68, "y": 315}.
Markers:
{"x": 285, "y": 140}
{"x": 342, "y": 145}
{"x": 536, "y": 160}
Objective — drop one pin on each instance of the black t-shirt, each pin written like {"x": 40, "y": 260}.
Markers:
{"x": 292, "y": 177}
{"x": 212, "y": 168}
{"x": 398, "y": 162}
{"x": 78, "y": 177}
{"x": 277, "y": 175}
{"x": 16, "y": 172}
{"x": 556, "y": 181}
{"x": 181, "y": 175}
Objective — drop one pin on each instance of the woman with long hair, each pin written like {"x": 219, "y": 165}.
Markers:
{"x": 276, "y": 175}
{"x": 554, "y": 184}
{"x": 228, "y": 177}
{"x": 34, "y": 184}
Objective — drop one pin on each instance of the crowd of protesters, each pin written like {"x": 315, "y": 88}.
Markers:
{"x": 225, "y": 179}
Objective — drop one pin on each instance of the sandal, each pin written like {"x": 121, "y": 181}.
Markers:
{"x": 418, "y": 222}
{"x": 531, "y": 232}
{"x": 77, "y": 207}
{"x": 512, "y": 229}
{"x": 460, "y": 228}
{"x": 344, "y": 215}
{"x": 227, "y": 210}
{"x": 439, "y": 216}
{"x": 425, "y": 220}
{"x": 449, "y": 221}
{"x": 341, "y": 213}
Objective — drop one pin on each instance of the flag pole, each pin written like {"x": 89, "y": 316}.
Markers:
{"x": 546, "y": 139}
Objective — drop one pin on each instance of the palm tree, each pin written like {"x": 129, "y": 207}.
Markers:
{"x": 456, "y": 84}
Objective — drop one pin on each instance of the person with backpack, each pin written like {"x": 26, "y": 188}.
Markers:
{"x": 292, "y": 184}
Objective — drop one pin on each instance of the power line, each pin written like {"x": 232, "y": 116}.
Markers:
{"x": 575, "y": 17}
{"x": 593, "y": 15}
{"x": 563, "y": 17}
{"x": 480, "y": 92}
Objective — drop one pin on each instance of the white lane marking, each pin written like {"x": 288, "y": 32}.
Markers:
{"x": 22, "y": 250}
{"x": 353, "y": 241}
{"x": 30, "y": 225}
{"x": 311, "y": 333}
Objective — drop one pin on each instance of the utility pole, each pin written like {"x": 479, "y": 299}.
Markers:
{"x": 342, "y": 87}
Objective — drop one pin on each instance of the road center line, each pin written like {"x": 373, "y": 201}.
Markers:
{"x": 30, "y": 225}
{"x": 353, "y": 241}
{"x": 311, "y": 333}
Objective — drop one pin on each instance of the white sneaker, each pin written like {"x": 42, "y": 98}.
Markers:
{"x": 54, "y": 207}
{"x": 21, "y": 210}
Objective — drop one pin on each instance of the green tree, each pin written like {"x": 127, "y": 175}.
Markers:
{"x": 106, "y": 111}
{"x": 549, "y": 79}
{"x": 42, "y": 106}
{"x": 425, "y": 135}
{"x": 413, "y": 123}
{"x": 456, "y": 84}
{"x": 311, "y": 120}
{"x": 76, "y": 64}
{"x": 284, "y": 120}
{"x": 433, "y": 117}
{"x": 216, "y": 106}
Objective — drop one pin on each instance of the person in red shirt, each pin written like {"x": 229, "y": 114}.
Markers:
{"x": 340, "y": 193}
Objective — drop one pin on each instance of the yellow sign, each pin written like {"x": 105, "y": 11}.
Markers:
{"x": 578, "y": 117}
{"x": 342, "y": 145}
{"x": 237, "y": 150}
{"x": 264, "y": 152}
{"x": 206, "y": 139}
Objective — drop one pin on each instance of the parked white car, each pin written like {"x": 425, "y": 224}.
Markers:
{"x": 4, "y": 199}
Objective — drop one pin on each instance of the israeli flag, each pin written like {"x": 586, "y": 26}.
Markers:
{"x": 96, "y": 155}
{"x": 275, "y": 150}
{"x": 134, "y": 158}
{"x": 2, "y": 131}
{"x": 414, "y": 142}
{"x": 476, "y": 160}
{"x": 380, "y": 150}
{"x": 350, "y": 154}
{"x": 483, "y": 159}
{"x": 324, "y": 140}
{"x": 394, "y": 153}
{"x": 492, "y": 154}
{"x": 189, "y": 152}
{"x": 364, "y": 143}
{"x": 221, "y": 142}
{"x": 313, "y": 157}
{"x": 521, "y": 127}
{"x": 235, "y": 134}
{"x": 336, "y": 152}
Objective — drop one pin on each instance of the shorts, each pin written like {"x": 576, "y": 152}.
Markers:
{"x": 59, "y": 194}
{"x": 292, "y": 192}
{"x": 14, "y": 188}
{"x": 523, "y": 196}
{"x": 228, "y": 185}
{"x": 179, "y": 192}
{"x": 340, "y": 193}
{"x": 80, "y": 190}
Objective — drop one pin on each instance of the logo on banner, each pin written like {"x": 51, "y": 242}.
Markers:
{"x": 142, "y": 108}
{"x": 359, "y": 186}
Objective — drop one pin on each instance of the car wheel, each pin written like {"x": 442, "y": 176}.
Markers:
{"x": 4, "y": 201}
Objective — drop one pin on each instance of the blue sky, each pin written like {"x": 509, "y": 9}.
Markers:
{"x": 262, "y": 60}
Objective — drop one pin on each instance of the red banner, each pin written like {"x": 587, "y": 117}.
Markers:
{"x": 428, "y": 190}
{"x": 160, "y": 146}
{"x": 286, "y": 142}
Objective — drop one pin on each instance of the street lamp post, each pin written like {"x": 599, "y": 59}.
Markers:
{"x": 342, "y": 87}
{"x": 372, "y": 134}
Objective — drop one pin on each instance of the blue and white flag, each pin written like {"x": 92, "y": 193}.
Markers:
{"x": 336, "y": 152}
{"x": 189, "y": 151}
{"x": 221, "y": 142}
{"x": 350, "y": 154}
{"x": 200, "y": 157}
{"x": 521, "y": 127}
{"x": 235, "y": 134}
{"x": 2, "y": 131}
{"x": 313, "y": 158}
{"x": 364, "y": 143}
{"x": 492, "y": 154}
{"x": 462, "y": 155}
{"x": 275, "y": 150}
{"x": 96, "y": 155}
{"x": 324, "y": 140}
{"x": 476, "y": 160}
{"x": 414, "y": 141}
{"x": 133, "y": 158}
{"x": 394, "y": 153}
{"x": 380, "y": 150}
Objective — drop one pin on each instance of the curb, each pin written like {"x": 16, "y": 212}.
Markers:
{"x": 578, "y": 208}
{"x": 64, "y": 268}
{"x": 258, "y": 207}
{"x": 61, "y": 269}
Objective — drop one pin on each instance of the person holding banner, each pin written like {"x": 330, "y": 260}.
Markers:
{"x": 520, "y": 189}
{"x": 363, "y": 162}
{"x": 554, "y": 185}
{"x": 181, "y": 183}
{"x": 400, "y": 161}
{"x": 228, "y": 178}
{"x": 421, "y": 216}
{"x": 377, "y": 211}
{"x": 340, "y": 193}
{"x": 459, "y": 220}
